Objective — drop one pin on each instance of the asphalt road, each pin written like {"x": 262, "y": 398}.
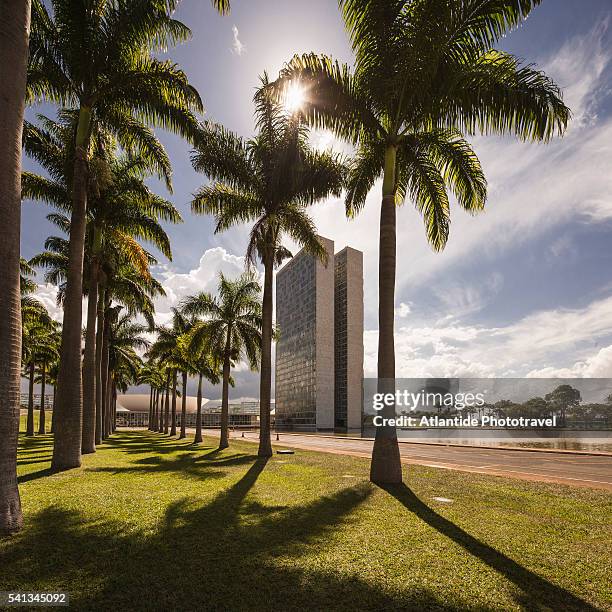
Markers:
{"x": 544, "y": 466}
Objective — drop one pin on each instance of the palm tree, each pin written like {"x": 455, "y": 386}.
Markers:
{"x": 100, "y": 61}
{"x": 14, "y": 29}
{"x": 47, "y": 353}
{"x": 206, "y": 366}
{"x": 182, "y": 325}
{"x": 52, "y": 371}
{"x": 231, "y": 326}
{"x": 269, "y": 181}
{"x": 150, "y": 374}
{"x": 126, "y": 338}
{"x": 33, "y": 333}
{"x": 36, "y": 335}
{"x": 425, "y": 72}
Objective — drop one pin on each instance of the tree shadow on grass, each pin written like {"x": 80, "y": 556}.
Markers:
{"x": 232, "y": 553}
{"x": 187, "y": 464}
{"x": 135, "y": 443}
{"x": 35, "y": 447}
{"x": 538, "y": 593}
{"x": 34, "y": 475}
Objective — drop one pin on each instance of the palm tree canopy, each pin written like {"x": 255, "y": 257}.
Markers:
{"x": 231, "y": 322}
{"x": 425, "y": 73}
{"x": 269, "y": 179}
{"x": 122, "y": 210}
{"x": 125, "y": 340}
{"x": 98, "y": 55}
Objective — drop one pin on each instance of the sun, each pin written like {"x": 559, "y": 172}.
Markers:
{"x": 294, "y": 97}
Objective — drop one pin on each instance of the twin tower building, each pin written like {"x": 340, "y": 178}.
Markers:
{"x": 319, "y": 352}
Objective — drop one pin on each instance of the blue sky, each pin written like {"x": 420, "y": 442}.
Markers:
{"x": 522, "y": 289}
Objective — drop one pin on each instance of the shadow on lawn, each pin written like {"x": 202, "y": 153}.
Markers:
{"x": 538, "y": 593}
{"x": 229, "y": 554}
{"x": 134, "y": 443}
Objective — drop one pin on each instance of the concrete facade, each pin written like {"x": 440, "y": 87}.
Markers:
{"x": 319, "y": 313}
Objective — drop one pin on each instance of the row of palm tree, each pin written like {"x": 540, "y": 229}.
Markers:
{"x": 208, "y": 336}
{"x": 39, "y": 344}
{"x": 425, "y": 74}
{"x": 121, "y": 209}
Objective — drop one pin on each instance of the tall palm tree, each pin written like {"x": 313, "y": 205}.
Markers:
{"x": 40, "y": 347}
{"x": 37, "y": 335}
{"x": 14, "y": 31}
{"x": 182, "y": 325}
{"x": 268, "y": 181}
{"x": 48, "y": 354}
{"x": 98, "y": 57}
{"x": 167, "y": 349}
{"x": 150, "y": 374}
{"x": 170, "y": 347}
{"x": 126, "y": 338}
{"x": 207, "y": 367}
{"x": 34, "y": 335}
{"x": 425, "y": 72}
{"x": 231, "y": 327}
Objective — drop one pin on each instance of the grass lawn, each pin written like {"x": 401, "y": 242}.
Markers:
{"x": 152, "y": 523}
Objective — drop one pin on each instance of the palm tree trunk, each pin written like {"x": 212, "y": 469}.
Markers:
{"x": 53, "y": 408}
{"x": 160, "y": 419}
{"x": 173, "y": 428}
{"x": 198, "y": 434}
{"x": 104, "y": 374}
{"x": 265, "y": 380}
{"x": 98, "y": 364}
{"x": 167, "y": 406}
{"x": 160, "y": 406}
{"x": 14, "y": 33}
{"x": 43, "y": 383}
{"x": 30, "y": 420}
{"x": 88, "y": 443}
{"x": 109, "y": 405}
{"x": 154, "y": 425}
{"x": 184, "y": 408}
{"x": 69, "y": 422}
{"x": 224, "y": 437}
{"x": 150, "y": 423}
{"x": 114, "y": 409}
{"x": 386, "y": 467}
{"x": 160, "y": 422}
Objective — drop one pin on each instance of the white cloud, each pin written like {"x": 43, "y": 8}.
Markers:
{"x": 47, "y": 294}
{"x": 204, "y": 277}
{"x": 238, "y": 48}
{"x": 465, "y": 298}
{"x": 403, "y": 310}
{"x": 538, "y": 344}
{"x": 598, "y": 365}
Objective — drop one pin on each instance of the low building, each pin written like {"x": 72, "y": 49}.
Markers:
{"x": 133, "y": 411}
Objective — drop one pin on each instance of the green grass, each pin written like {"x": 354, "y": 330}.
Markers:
{"x": 152, "y": 523}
